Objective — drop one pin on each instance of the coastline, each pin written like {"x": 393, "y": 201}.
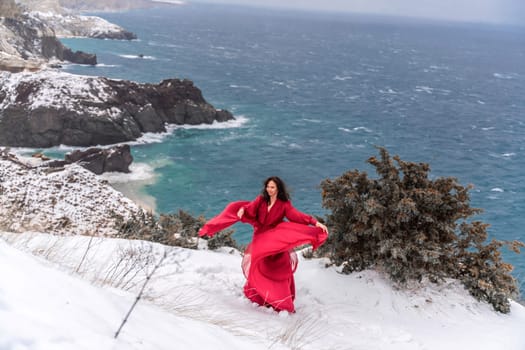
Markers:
{"x": 132, "y": 185}
{"x": 134, "y": 190}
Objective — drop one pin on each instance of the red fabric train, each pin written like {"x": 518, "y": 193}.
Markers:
{"x": 269, "y": 260}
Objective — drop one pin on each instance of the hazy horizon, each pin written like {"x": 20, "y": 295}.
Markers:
{"x": 486, "y": 11}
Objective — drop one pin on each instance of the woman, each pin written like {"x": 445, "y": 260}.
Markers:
{"x": 269, "y": 260}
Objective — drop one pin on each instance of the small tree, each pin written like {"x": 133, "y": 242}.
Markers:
{"x": 178, "y": 229}
{"x": 407, "y": 225}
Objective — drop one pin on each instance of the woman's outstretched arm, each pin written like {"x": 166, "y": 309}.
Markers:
{"x": 250, "y": 209}
{"x": 297, "y": 216}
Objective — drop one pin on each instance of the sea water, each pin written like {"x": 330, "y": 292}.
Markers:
{"x": 315, "y": 93}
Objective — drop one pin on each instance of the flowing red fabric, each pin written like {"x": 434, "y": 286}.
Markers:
{"x": 269, "y": 260}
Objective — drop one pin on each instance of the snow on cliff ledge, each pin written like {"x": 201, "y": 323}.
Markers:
{"x": 68, "y": 201}
{"x": 69, "y": 25}
{"x": 55, "y": 89}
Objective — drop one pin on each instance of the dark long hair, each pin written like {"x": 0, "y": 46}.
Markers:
{"x": 282, "y": 193}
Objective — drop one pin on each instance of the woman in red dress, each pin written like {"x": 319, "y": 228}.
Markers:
{"x": 269, "y": 260}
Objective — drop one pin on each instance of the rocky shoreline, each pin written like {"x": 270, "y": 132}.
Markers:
{"x": 49, "y": 108}
{"x": 29, "y": 32}
{"x": 43, "y": 107}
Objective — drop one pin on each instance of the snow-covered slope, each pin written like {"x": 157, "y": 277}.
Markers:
{"x": 42, "y": 308}
{"x": 69, "y": 201}
{"x": 55, "y": 89}
{"x": 203, "y": 289}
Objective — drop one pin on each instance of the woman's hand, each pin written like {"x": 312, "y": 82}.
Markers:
{"x": 322, "y": 226}
{"x": 240, "y": 213}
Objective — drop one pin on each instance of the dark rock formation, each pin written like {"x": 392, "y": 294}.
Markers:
{"x": 31, "y": 42}
{"x": 46, "y": 108}
{"x": 98, "y": 160}
{"x": 52, "y": 47}
{"x": 65, "y": 23}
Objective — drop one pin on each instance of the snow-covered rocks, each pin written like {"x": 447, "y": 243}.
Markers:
{"x": 50, "y": 107}
{"x": 68, "y": 201}
{"x": 70, "y": 25}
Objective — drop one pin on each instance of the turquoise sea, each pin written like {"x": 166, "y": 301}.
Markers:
{"x": 315, "y": 93}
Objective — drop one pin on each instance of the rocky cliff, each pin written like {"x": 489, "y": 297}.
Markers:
{"x": 69, "y": 25}
{"x": 28, "y": 43}
{"x": 24, "y": 47}
{"x": 63, "y": 17}
{"x": 49, "y": 108}
{"x": 29, "y": 31}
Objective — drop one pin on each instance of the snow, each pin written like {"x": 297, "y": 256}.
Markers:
{"x": 71, "y": 290}
{"x": 58, "y": 90}
{"x": 76, "y": 25}
{"x": 76, "y": 290}
{"x": 69, "y": 201}
{"x": 44, "y": 308}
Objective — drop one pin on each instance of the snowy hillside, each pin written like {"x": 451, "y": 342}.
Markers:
{"x": 195, "y": 301}
{"x": 44, "y": 308}
{"x": 66, "y": 201}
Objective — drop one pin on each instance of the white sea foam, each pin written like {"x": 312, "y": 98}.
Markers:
{"x": 156, "y": 43}
{"x": 238, "y": 122}
{"x": 436, "y": 67}
{"x": 431, "y": 90}
{"x": 497, "y": 189}
{"x": 139, "y": 172}
{"x": 107, "y": 65}
{"x": 153, "y": 137}
{"x": 508, "y": 155}
{"x": 317, "y": 121}
{"x": 357, "y": 128}
{"x": 345, "y": 77}
{"x": 247, "y": 87}
{"x": 426, "y": 89}
{"x": 488, "y": 128}
{"x": 281, "y": 83}
{"x": 362, "y": 128}
{"x": 138, "y": 57}
{"x": 388, "y": 91}
{"x": 505, "y": 76}
{"x": 354, "y": 146}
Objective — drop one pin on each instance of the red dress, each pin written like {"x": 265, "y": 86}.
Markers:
{"x": 269, "y": 260}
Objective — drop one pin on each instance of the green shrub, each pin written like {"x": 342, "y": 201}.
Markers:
{"x": 223, "y": 239}
{"x": 180, "y": 229}
{"x": 413, "y": 227}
